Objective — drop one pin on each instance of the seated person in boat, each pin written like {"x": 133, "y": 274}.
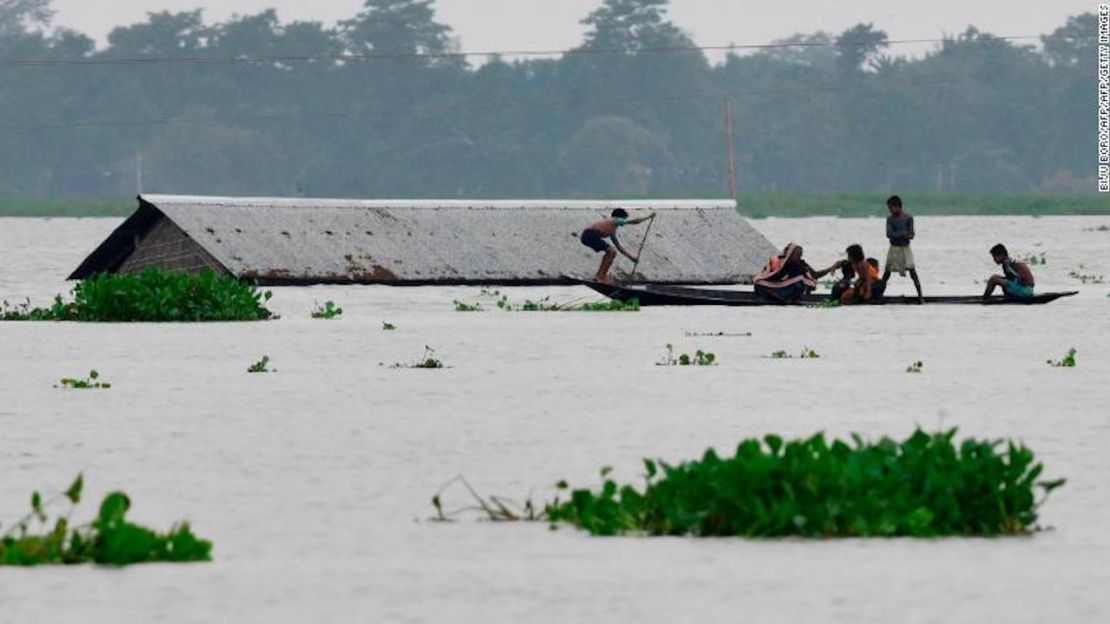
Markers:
{"x": 847, "y": 274}
{"x": 594, "y": 237}
{"x": 1016, "y": 280}
{"x": 788, "y": 277}
{"x": 868, "y": 288}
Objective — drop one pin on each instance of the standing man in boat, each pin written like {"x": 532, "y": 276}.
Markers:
{"x": 594, "y": 237}
{"x": 899, "y": 230}
{"x": 1016, "y": 280}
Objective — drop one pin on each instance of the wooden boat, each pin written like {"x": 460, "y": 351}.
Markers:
{"x": 661, "y": 295}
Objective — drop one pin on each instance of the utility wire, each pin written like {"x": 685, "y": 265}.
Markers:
{"x": 248, "y": 59}
{"x": 500, "y": 105}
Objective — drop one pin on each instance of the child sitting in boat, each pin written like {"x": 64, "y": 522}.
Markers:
{"x": 788, "y": 278}
{"x": 594, "y": 237}
{"x": 1016, "y": 280}
{"x": 868, "y": 288}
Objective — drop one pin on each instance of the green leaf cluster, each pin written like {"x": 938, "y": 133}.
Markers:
{"x": 109, "y": 539}
{"x": 328, "y": 311}
{"x": 92, "y": 382}
{"x": 806, "y": 354}
{"x": 916, "y": 367}
{"x": 546, "y": 305}
{"x": 262, "y": 366}
{"x": 154, "y": 296}
{"x": 700, "y": 358}
{"x": 1068, "y": 360}
{"x": 924, "y": 486}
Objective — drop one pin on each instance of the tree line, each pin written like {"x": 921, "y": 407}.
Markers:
{"x": 382, "y": 104}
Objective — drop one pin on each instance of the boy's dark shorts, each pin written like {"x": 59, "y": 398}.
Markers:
{"x": 594, "y": 240}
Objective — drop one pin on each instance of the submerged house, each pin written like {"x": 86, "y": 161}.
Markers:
{"x": 314, "y": 241}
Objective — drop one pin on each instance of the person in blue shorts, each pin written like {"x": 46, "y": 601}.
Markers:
{"x": 1016, "y": 280}
{"x": 595, "y": 234}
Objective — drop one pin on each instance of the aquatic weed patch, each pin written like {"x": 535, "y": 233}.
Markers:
{"x": 916, "y": 367}
{"x": 429, "y": 361}
{"x": 262, "y": 366}
{"x": 92, "y": 382}
{"x": 547, "y": 305}
{"x": 700, "y": 358}
{"x": 924, "y": 486}
{"x": 327, "y": 311}
{"x": 109, "y": 539}
{"x": 387, "y": 326}
{"x": 154, "y": 296}
{"x": 1068, "y": 361}
{"x": 806, "y": 354}
{"x": 1087, "y": 278}
{"x": 1034, "y": 259}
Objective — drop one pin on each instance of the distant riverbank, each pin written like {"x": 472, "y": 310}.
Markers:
{"x": 755, "y": 205}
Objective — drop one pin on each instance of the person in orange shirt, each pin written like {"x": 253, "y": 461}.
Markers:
{"x": 594, "y": 237}
{"x": 868, "y": 287}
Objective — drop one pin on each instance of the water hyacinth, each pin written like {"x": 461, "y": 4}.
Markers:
{"x": 925, "y": 486}
{"x": 110, "y": 539}
{"x": 153, "y": 296}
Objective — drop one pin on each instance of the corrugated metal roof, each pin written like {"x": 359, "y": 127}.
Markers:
{"x": 452, "y": 241}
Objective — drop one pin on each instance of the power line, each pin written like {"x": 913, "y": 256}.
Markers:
{"x": 247, "y": 59}
{"x": 497, "y": 105}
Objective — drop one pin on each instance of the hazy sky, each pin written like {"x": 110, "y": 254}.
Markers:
{"x": 553, "y": 24}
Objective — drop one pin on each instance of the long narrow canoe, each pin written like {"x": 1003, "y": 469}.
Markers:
{"x": 660, "y": 295}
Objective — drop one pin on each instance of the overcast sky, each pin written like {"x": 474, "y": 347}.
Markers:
{"x": 553, "y": 24}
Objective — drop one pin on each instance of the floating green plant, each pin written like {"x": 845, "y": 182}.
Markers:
{"x": 924, "y": 486}
{"x": 328, "y": 311}
{"x": 1068, "y": 360}
{"x": 428, "y": 361}
{"x": 152, "y": 296}
{"x": 262, "y": 366}
{"x": 92, "y": 382}
{"x": 826, "y": 304}
{"x": 806, "y": 354}
{"x": 700, "y": 358}
{"x": 109, "y": 539}
{"x": 719, "y": 334}
{"x": 915, "y": 367}
{"x": 612, "y": 305}
{"x": 387, "y": 326}
{"x": 1086, "y": 279}
{"x": 1034, "y": 259}
{"x": 462, "y": 306}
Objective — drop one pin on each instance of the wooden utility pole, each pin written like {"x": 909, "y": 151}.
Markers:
{"x": 728, "y": 146}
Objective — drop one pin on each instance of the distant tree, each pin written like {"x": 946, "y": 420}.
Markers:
{"x": 632, "y": 24}
{"x": 859, "y": 46}
{"x": 16, "y": 15}
{"x": 614, "y": 156}
{"x": 163, "y": 34}
{"x": 397, "y": 27}
{"x": 1075, "y": 43}
{"x": 813, "y": 50}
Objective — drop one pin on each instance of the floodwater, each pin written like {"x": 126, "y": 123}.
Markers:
{"x": 314, "y": 482}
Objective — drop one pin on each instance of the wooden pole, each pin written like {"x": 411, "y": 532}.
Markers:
{"x": 636, "y": 265}
{"x": 731, "y": 154}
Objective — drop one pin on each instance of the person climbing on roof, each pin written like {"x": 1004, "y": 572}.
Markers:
{"x": 787, "y": 277}
{"x": 1016, "y": 280}
{"x": 868, "y": 288}
{"x": 594, "y": 237}
{"x": 900, "y": 232}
